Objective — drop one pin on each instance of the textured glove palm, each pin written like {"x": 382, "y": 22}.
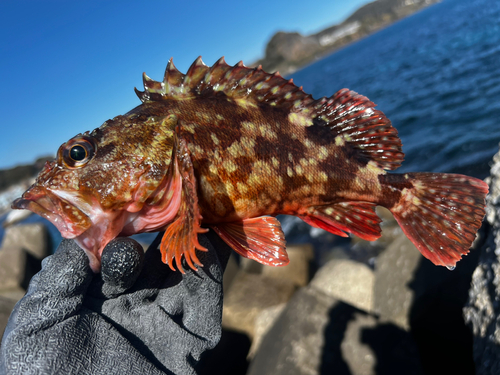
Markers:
{"x": 157, "y": 321}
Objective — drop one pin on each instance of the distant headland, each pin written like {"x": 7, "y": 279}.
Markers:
{"x": 287, "y": 52}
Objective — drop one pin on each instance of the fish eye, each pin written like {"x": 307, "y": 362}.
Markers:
{"x": 77, "y": 152}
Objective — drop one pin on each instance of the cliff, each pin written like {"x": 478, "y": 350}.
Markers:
{"x": 289, "y": 51}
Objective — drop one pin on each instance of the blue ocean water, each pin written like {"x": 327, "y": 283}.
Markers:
{"x": 436, "y": 75}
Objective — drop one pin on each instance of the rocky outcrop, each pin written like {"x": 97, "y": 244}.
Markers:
{"x": 483, "y": 309}
{"x": 15, "y": 175}
{"x": 14, "y": 181}
{"x": 288, "y": 51}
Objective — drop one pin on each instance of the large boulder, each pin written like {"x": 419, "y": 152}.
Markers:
{"x": 250, "y": 294}
{"x": 298, "y": 271}
{"x": 427, "y": 301}
{"x": 23, "y": 248}
{"x": 31, "y": 237}
{"x": 348, "y": 281}
{"x": 483, "y": 310}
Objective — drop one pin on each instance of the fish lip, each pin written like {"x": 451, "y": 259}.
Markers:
{"x": 66, "y": 217}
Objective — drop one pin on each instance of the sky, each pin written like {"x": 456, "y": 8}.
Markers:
{"x": 68, "y": 66}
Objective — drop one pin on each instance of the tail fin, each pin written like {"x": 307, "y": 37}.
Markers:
{"x": 441, "y": 214}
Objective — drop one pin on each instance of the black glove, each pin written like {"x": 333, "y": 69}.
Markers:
{"x": 122, "y": 321}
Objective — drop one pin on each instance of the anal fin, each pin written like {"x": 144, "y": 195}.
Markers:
{"x": 259, "y": 238}
{"x": 358, "y": 218}
{"x": 181, "y": 236}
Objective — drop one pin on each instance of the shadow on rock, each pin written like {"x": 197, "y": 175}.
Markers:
{"x": 436, "y": 316}
{"x": 394, "y": 349}
{"x": 339, "y": 317}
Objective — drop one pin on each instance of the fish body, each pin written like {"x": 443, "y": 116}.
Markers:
{"x": 229, "y": 148}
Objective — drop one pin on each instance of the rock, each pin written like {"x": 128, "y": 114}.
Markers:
{"x": 251, "y": 266}
{"x": 31, "y": 237}
{"x": 482, "y": 312}
{"x": 347, "y": 281}
{"x": 6, "y": 306}
{"x": 394, "y": 269}
{"x": 230, "y": 273}
{"x": 263, "y": 323}
{"x": 427, "y": 301}
{"x": 248, "y": 296}
{"x": 318, "y": 334}
{"x": 14, "y": 293}
{"x": 23, "y": 248}
{"x": 12, "y": 267}
{"x": 298, "y": 270}
{"x": 294, "y": 344}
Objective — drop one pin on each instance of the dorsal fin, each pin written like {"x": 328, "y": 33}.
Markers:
{"x": 237, "y": 82}
{"x": 346, "y": 113}
{"x": 355, "y": 119}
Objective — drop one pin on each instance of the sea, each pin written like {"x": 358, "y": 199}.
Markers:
{"x": 435, "y": 74}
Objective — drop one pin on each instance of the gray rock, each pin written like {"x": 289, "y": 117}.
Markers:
{"x": 12, "y": 267}
{"x": 482, "y": 312}
{"x": 14, "y": 293}
{"x": 297, "y": 271}
{"x": 348, "y": 281}
{"x": 6, "y": 306}
{"x": 318, "y": 334}
{"x": 263, "y": 323}
{"x": 31, "y": 237}
{"x": 294, "y": 344}
{"x": 251, "y": 266}
{"x": 248, "y": 295}
{"x": 394, "y": 269}
{"x": 230, "y": 273}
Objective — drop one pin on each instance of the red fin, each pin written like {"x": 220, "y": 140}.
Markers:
{"x": 441, "y": 214}
{"x": 358, "y": 218}
{"x": 259, "y": 238}
{"x": 181, "y": 236}
{"x": 353, "y": 117}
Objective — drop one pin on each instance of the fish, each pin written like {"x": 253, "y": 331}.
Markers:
{"x": 229, "y": 148}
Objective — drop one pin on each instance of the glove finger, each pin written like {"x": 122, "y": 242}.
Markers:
{"x": 121, "y": 263}
{"x": 56, "y": 292}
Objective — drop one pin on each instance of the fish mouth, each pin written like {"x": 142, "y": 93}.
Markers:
{"x": 67, "y": 218}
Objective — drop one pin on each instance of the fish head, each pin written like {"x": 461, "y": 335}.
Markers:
{"x": 99, "y": 182}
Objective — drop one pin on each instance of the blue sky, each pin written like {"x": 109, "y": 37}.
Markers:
{"x": 68, "y": 66}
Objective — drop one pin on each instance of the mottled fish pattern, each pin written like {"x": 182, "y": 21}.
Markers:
{"x": 229, "y": 148}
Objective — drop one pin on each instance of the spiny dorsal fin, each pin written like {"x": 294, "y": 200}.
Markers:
{"x": 237, "y": 82}
{"x": 346, "y": 113}
{"x": 353, "y": 117}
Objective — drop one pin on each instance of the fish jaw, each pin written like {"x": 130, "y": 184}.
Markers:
{"x": 93, "y": 241}
{"x": 83, "y": 220}
{"x": 66, "y": 217}
{"x": 105, "y": 225}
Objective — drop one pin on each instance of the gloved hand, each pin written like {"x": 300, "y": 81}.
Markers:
{"x": 122, "y": 321}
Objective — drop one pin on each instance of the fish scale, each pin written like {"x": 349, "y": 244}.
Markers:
{"x": 229, "y": 148}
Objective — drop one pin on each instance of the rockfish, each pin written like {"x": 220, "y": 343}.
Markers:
{"x": 229, "y": 148}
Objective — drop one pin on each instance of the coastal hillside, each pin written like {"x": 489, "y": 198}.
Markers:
{"x": 289, "y": 51}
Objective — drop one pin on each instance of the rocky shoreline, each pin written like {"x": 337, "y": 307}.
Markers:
{"x": 287, "y": 52}
{"x": 399, "y": 314}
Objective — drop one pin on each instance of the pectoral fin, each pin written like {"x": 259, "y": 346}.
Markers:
{"x": 259, "y": 238}
{"x": 181, "y": 236}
